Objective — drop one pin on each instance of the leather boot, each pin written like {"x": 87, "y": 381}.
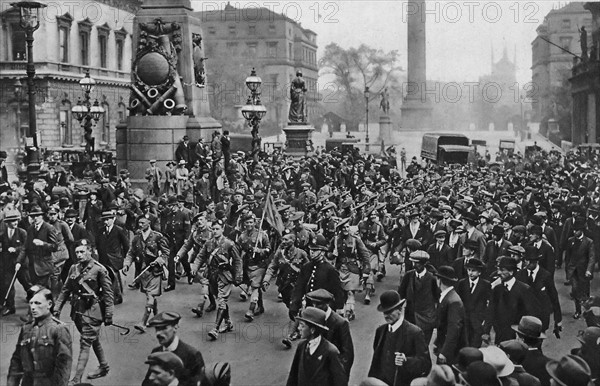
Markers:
{"x": 214, "y": 333}
{"x": 260, "y": 306}
{"x": 155, "y": 307}
{"x": 199, "y": 311}
{"x": 227, "y": 326}
{"x": 102, "y": 370}
{"x": 141, "y": 327}
{"x": 84, "y": 355}
{"x": 250, "y": 313}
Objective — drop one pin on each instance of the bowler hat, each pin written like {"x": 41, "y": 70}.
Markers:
{"x": 35, "y": 210}
{"x": 320, "y": 295}
{"x": 172, "y": 200}
{"x": 466, "y": 356}
{"x": 418, "y": 256}
{"x": 314, "y": 316}
{"x": 530, "y": 326}
{"x": 531, "y": 253}
{"x": 481, "y": 374}
{"x": 579, "y": 224}
{"x": 446, "y": 272}
{"x": 499, "y": 360}
{"x": 475, "y": 263}
{"x": 218, "y": 373}
{"x": 590, "y": 337}
{"x": 71, "y": 213}
{"x": 535, "y": 230}
{"x": 571, "y": 370}
{"x": 167, "y": 318}
{"x": 470, "y": 217}
{"x": 413, "y": 244}
{"x": 390, "y": 300}
{"x": 166, "y": 360}
{"x": 498, "y": 230}
{"x": 471, "y": 244}
{"x": 63, "y": 202}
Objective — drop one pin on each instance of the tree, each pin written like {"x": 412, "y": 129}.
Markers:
{"x": 357, "y": 68}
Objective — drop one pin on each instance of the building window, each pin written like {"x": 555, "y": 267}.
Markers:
{"x": 290, "y": 50}
{"x": 251, "y": 30}
{"x": 272, "y": 49}
{"x": 65, "y": 124}
{"x": 232, "y": 30}
{"x": 212, "y": 31}
{"x": 63, "y": 49}
{"x": 251, "y": 48}
{"x": 103, "y": 31}
{"x": 120, "y": 36}
{"x": 565, "y": 42}
{"x": 272, "y": 29}
{"x": 84, "y": 44}
{"x": 566, "y": 24}
{"x": 17, "y": 37}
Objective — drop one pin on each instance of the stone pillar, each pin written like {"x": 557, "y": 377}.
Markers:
{"x": 416, "y": 108}
{"x": 385, "y": 129}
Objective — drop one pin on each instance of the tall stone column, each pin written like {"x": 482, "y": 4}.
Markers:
{"x": 416, "y": 108}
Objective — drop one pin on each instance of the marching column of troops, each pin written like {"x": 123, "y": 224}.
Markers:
{"x": 478, "y": 249}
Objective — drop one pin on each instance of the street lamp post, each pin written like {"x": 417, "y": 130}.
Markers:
{"x": 87, "y": 112}
{"x": 254, "y": 111}
{"x": 29, "y": 11}
{"x": 367, "y": 95}
{"x": 18, "y": 88}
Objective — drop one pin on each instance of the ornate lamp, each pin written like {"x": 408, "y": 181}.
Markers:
{"x": 254, "y": 111}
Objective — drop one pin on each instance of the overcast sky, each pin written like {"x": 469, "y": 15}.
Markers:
{"x": 460, "y": 34}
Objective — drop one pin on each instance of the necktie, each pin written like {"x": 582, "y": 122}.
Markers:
{"x": 531, "y": 277}
{"x": 472, "y": 286}
{"x": 10, "y": 233}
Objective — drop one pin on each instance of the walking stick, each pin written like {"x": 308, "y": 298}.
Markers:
{"x": 127, "y": 329}
{"x": 12, "y": 282}
{"x": 141, "y": 273}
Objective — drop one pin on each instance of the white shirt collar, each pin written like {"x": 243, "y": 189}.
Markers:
{"x": 173, "y": 346}
{"x": 445, "y": 292}
{"x": 313, "y": 344}
{"x": 509, "y": 284}
{"x": 538, "y": 244}
{"x": 146, "y": 234}
{"x": 328, "y": 313}
{"x": 420, "y": 275}
{"x": 474, "y": 282}
{"x": 396, "y": 326}
{"x": 470, "y": 231}
{"x": 535, "y": 271}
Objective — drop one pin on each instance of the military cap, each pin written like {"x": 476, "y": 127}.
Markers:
{"x": 414, "y": 213}
{"x": 166, "y": 360}
{"x": 327, "y": 206}
{"x": 319, "y": 243}
{"x": 445, "y": 207}
{"x": 343, "y": 222}
{"x": 320, "y": 295}
{"x": 360, "y": 205}
{"x": 83, "y": 243}
{"x": 36, "y": 210}
{"x": 296, "y": 216}
{"x": 283, "y": 207}
{"x": 167, "y": 318}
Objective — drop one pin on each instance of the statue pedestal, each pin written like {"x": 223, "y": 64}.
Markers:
{"x": 298, "y": 140}
{"x": 416, "y": 114}
{"x": 385, "y": 128}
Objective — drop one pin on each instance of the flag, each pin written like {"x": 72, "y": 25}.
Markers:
{"x": 272, "y": 215}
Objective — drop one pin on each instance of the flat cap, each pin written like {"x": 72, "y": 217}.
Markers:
{"x": 167, "y": 318}
{"x": 320, "y": 295}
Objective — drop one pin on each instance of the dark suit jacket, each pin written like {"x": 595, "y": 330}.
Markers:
{"x": 476, "y": 307}
{"x": 507, "y": 308}
{"x": 535, "y": 364}
{"x": 325, "y": 276}
{"x": 492, "y": 252}
{"x": 580, "y": 256}
{"x": 339, "y": 335}
{"x": 328, "y": 371}
{"x": 545, "y": 293}
{"x": 17, "y": 241}
{"x": 451, "y": 335}
{"x": 193, "y": 365}
{"x": 420, "y": 303}
{"x": 423, "y": 234}
{"x": 439, "y": 258}
{"x": 407, "y": 339}
{"x": 183, "y": 152}
{"x": 40, "y": 257}
{"x": 112, "y": 247}
{"x": 479, "y": 238}
{"x": 547, "y": 259}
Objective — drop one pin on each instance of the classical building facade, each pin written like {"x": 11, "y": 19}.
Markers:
{"x": 551, "y": 66}
{"x": 73, "y": 38}
{"x": 274, "y": 44}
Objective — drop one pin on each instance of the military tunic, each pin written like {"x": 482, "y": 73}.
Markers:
{"x": 43, "y": 355}
{"x": 255, "y": 264}
{"x": 286, "y": 264}
{"x": 193, "y": 244}
{"x": 351, "y": 262}
{"x": 303, "y": 237}
{"x": 153, "y": 249}
{"x": 224, "y": 263}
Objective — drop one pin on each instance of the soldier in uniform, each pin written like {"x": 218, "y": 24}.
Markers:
{"x": 307, "y": 197}
{"x": 193, "y": 244}
{"x": 176, "y": 230}
{"x": 327, "y": 223}
{"x": 374, "y": 237}
{"x": 224, "y": 264}
{"x": 90, "y": 289}
{"x": 286, "y": 264}
{"x": 151, "y": 248}
{"x": 352, "y": 262}
{"x": 255, "y": 249}
{"x": 304, "y": 236}
{"x": 44, "y": 352}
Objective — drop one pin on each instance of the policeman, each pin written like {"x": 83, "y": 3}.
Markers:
{"x": 224, "y": 264}
{"x": 254, "y": 246}
{"x": 176, "y": 230}
{"x": 90, "y": 289}
{"x": 44, "y": 354}
{"x": 352, "y": 261}
{"x": 286, "y": 264}
{"x": 193, "y": 244}
{"x": 151, "y": 248}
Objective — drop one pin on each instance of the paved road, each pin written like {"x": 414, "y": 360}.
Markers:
{"x": 254, "y": 349}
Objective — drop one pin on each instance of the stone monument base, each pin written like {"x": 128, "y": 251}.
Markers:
{"x": 298, "y": 140}
{"x": 385, "y": 128}
{"x": 144, "y": 138}
{"x": 416, "y": 115}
